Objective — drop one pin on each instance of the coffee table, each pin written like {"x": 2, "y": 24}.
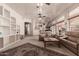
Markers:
{"x": 51, "y": 40}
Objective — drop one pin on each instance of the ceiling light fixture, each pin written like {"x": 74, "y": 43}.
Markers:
{"x": 39, "y": 6}
{"x": 47, "y": 3}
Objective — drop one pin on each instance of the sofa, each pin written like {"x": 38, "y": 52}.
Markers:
{"x": 71, "y": 41}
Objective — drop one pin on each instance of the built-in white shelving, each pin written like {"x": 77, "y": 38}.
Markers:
{"x": 6, "y": 13}
{"x": 4, "y": 23}
{"x": 13, "y": 25}
{"x": 8, "y": 27}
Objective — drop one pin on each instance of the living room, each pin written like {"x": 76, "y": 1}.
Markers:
{"x": 50, "y": 26}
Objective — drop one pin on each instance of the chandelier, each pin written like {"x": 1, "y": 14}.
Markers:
{"x": 40, "y": 11}
{"x": 41, "y": 23}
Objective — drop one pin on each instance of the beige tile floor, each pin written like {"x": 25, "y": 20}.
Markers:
{"x": 35, "y": 40}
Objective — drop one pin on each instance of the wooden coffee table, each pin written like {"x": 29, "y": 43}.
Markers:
{"x": 51, "y": 40}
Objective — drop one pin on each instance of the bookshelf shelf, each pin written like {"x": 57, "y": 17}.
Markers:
{"x": 4, "y": 23}
{"x": 6, "y": 13}
{"x": 13, "y": 25}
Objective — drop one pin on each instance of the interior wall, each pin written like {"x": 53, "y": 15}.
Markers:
{"x": 35, "y": 30}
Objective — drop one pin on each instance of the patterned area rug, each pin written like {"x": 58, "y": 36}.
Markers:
{"x": 30, "y": 50}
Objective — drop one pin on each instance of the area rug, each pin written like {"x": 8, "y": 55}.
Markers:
{"x": 29, "y": 49}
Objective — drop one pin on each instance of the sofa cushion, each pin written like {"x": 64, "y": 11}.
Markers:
{"x": 67, "y": 42}
{"x": 73, "y": 39}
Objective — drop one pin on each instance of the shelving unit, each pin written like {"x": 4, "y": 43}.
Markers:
{"x": 8, "y": 27}
{"x": 1, "y": 13}
{"x": 4, "y": 23}
{"x": 6, "y": 13}
{"x": 13, "y": 26}
{"x": 12, "y": 37}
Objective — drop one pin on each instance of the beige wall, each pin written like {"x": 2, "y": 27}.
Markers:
{"x": 35, "y": 30}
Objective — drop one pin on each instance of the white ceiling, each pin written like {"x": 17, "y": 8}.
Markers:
{"x": 31, "y": 11}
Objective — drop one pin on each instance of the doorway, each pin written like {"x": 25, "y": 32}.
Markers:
{"x": 27, "y": 27}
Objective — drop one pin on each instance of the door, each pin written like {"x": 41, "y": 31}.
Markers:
{"x": 27, "y": 27}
